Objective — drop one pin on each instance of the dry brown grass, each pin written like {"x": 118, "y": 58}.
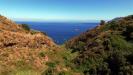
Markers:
{"x": 21, "y": 48}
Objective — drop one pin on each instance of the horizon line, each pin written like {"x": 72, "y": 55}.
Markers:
{"x": 43, "y": 20}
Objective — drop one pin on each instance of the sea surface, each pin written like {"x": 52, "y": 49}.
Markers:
{"x": 60, "y": 32}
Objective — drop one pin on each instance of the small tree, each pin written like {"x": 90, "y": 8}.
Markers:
{"x": 102, "y": 22}
{"x": 26, "y": 27}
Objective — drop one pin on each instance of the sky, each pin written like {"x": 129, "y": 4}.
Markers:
{"x": 65, "y": 10}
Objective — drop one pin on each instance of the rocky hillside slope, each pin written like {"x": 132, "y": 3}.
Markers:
{"x": 24, "y": 51}
{"x": 14, "y": 35}
{"x": 105, "y": 50}
{"x": 19, "y": 46}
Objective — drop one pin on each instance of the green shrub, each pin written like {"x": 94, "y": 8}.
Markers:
{"x": 119, "y": 43}
{"x": 26, "y": 27}
{"x": 64, "y": 73}
{"x": 42, "y": 54}
{"x": 33, "y": 32}
{"x": 49, "y": 71}
{"x": 51, "y": 64}
{"x": 79, "y": 46}
{"x": 102, "y": 22}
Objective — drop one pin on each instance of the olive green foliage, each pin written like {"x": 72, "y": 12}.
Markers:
{"x": 26, "y": 27}
{"x": 60, "y": 62}
{"x": 49, "y": 71}
{"x": 33, "y": 32}
{"x": 42, "y": 54}
{"x": 51, "y": 64}
{"x": 106, "y": 49}
{"x": 102, "y": 22}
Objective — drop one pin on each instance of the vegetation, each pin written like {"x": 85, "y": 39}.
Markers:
{"x": 106, "y": 49}
{"x": 102, "y": 22}
{"x": 60, "y": 62}
{"x": 26, "y": 27}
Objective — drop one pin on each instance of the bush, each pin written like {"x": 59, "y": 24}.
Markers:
{"x": 42, "y": 54}
{"x": 64, "y": 73}
{"x": 33, "y": 32}
{"x": 118, "y": 43}
{"x": 102, "y": 22}
{"x": 26, "y": 27}
{"x": 51, "y": 64}
{"x": 49, "y": 71}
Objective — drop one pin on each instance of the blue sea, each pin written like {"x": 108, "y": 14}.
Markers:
{"x": 60, "y": 32}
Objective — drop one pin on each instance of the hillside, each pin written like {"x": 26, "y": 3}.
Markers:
{"x": 24, "y": 51}
{"x": 20, "y": 46}
{"x": 105, "y": 50}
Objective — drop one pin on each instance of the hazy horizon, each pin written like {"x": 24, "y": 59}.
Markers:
{"x": 65, "y": 10}
{"x": 53, "y": 21}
